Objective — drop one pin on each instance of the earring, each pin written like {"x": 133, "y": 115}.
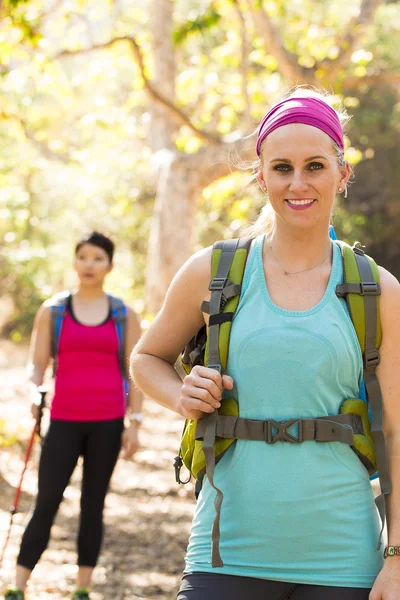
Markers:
{"x": 340, "y": 189}
{"x": 345, "y": 192}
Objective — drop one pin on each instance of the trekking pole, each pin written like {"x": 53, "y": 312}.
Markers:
{"x": 36, "y": 431}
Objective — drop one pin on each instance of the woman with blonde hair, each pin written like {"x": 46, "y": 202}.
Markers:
{"x": 298, "y": 519}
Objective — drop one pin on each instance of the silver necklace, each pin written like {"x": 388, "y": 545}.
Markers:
{"x": 285, "y": 272}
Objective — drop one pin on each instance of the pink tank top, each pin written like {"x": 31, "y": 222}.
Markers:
{"x": 88, "y": 383}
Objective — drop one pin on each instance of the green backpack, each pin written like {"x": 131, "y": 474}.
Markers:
{"x": 204, "y": 442}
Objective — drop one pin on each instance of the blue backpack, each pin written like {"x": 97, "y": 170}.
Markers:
{"x": 118, "y": 315}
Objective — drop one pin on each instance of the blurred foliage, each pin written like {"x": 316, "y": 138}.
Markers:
{"x": 7, "y": 438}
{"x": 74, "y": 128}
{"x": 197, "y": 23}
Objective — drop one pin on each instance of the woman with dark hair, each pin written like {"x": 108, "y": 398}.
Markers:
{"x": 90, "y": 335}
{"x": 298, "y": 520}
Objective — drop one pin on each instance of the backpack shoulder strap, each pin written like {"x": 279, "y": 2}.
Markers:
{"x": 119, "y": 316}
{"x": 361, "y": 288}
{"x": 228, "y": 265}
{"x": 58, "y": 305}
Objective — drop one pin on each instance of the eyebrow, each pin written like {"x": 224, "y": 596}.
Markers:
{"x": 286, "y": 160}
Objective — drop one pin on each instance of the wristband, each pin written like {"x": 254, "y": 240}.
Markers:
{"x": 391, "y": 551}
{"x": 137, "y": 417}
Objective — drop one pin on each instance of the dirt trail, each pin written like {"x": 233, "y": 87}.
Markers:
{"x": 147, "y": 514}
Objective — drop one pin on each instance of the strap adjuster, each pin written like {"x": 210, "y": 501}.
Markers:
{"x": 370, "y": 288}
{"x": 371, "y": 358}
{"x": 358, "y": 248}
{"x": 217, "y": 284}
{"x": 282, "y": 435}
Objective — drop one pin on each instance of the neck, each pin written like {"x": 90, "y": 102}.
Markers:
{"x": 297, "y": 250}
{"x": 90, "y": 293}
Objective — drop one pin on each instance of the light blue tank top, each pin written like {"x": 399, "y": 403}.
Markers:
{"x": 302, "y": 513}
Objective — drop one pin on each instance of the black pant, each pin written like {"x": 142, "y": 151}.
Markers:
{"x": 215, "y": 586}
{"x": 99, "y": 442}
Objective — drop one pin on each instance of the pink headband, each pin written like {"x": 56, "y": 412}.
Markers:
{"x": 308, "y": 110}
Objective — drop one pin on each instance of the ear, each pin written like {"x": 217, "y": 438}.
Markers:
{"x": 345, "y": 173}
{"x": 260, "y": 181}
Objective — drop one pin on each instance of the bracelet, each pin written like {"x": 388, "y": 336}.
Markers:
{"x": 391, "y": 551}
{"x": 137, "y": 417}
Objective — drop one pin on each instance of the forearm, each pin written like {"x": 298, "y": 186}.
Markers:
{"x": 135, "y": 399}
{"x": 157, "y": 379}
{"x": 35, "y": 374}
{"x": 393, "y": 451}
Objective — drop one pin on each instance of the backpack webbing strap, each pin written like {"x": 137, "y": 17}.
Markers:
{"x": 217, "y": 285}
{"x": 119, "y": 316}
{"x": 214, "y": 362}
{"x": 374, "y": 395}
{"x": 364, "y": 312}
{"x": 338, "y": 428}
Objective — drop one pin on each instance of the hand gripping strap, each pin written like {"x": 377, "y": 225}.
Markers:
{"x": 364, "y": 312}
{"x": 228, "y": 263}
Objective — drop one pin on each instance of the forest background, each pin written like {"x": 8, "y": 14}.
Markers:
{"x": 129, "y": 116}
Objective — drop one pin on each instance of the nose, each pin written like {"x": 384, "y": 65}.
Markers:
{"x": 298, "y": 183}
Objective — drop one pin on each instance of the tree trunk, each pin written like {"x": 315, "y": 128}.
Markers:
{"x": 181, "y": 181}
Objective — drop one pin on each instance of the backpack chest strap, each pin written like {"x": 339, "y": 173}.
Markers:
{"x": 339, "y": 428}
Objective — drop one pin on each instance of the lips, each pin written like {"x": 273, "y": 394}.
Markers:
{"x": 300, "y": 203}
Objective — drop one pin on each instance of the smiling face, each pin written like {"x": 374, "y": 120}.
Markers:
{"x": 92, "y": 264}
{"x": 301, "y": 174}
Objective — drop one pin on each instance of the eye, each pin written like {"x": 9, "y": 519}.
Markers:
{"x": 315, "y": 166}
{"x": 282, "y": 168}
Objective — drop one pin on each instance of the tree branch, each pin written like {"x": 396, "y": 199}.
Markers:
{"x": 348, "y": 41}
{"x": 287, "y": 61}
{"x": 42, "y": 148}
{"x": 392, "y": 79}
{"x": 244, "y": 65}
{"x": 173, "y": 110}
{"x": 220, "y": 160}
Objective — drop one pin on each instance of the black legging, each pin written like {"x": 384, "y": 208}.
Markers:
{"x": 215, "y": 586}
{"x": 99, "y": 442}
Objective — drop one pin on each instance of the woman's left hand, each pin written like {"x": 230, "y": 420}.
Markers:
{"x": 387, "y": 584}
{"x": 130, "y": 440}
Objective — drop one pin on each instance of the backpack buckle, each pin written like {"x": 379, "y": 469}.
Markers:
{"x": 178, "y": 464}
{"x": 217, "y": 284}
{"x": 281, "y": 435}
{"x": 371, "y": 358}
{"x": 370, "y": 288}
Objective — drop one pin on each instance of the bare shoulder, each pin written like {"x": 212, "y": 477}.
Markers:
{"x": 43, "y": 314}
{"x": 198, "y": 267}
{"x": 390, "y": 295}
{"x": 180, "y": 316}
{"x": 193, "y": 278}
